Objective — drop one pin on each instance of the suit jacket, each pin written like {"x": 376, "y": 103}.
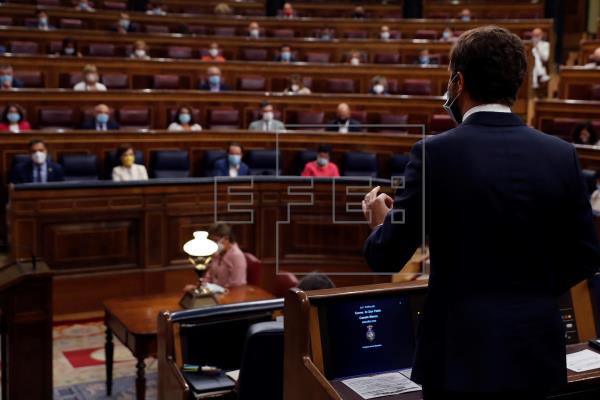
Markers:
{"x": 510, "y": 229}
{"x": 90, "y": 124}
{"x": 275, "y": 125}
{"x": 23, "y": 172}
{"x": 279, "y": 59}
{"x": 221, "y": 168}
{"x": 223, "y": 87}
{"x": 353, "y": 126}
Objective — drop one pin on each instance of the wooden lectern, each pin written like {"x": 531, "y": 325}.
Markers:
{"x": 26, "y": 329}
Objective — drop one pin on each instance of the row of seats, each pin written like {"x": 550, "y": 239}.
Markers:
{"x": 563, "y": 127}
{"x": 131, "y": 117}
{"x": 176, "y": 164}
{"x": 253, "y": 83}
{"x": 245, "y": 54}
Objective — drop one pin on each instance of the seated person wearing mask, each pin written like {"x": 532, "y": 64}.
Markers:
{"x": 594, "y": 59}
{"x": 84, "y": 5}
{"x": 268, "y": 123}
{"x": 101, "y": 121}
{"x": 425, "y": 58}
{"x": 128, "y": 170}
{"x": 285, "y": 55}
{"x": 254, "y": 30}
{"x": 232, "y": 165}
{"x": 43, "y": 23}
{"x": 90, "y": 80}
{"x": 184, "y": 121}
{"x": 69, "y": 48}
{"x": 7, "y": 80}
{"x": 379, "y": 85}
{"x": 124, "y": 24}
{"x": 321, "y": 167}
{"x": 13, "y": 120}
{"x": 140, "y": 51}
{"x": 228, "y": 267}
{"x": 342, "y": 122}
{"x": 38, "y": 169}
{"x": 214, "y": 83}
{"x": 214, "y": 54}
{"x": 296, "y": 86}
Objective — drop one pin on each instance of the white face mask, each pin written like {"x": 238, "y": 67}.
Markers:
{"x": 220, "y": 246}
{"x": 295, "y": 88}
{"x": 140, "y": 53}
{"x": 354, "y": 61}
{"x": 385, "y": 35}
{"x": 213, "y": 52}
{"x": 39, "y": 157}
{"x": 268, "y": 116}
{"x": 378, "y": 89}
{"x": 254, "y": 33}
{"x": 91, "y": 78}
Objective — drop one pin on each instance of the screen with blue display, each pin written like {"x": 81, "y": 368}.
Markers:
{"x": 366, "y": 336}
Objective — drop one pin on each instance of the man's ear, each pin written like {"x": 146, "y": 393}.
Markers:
{"x": 460, "y": 82}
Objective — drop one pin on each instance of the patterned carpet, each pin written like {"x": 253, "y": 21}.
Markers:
{"x": 79, "y": 371}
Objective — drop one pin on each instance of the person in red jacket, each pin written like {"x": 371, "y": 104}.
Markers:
{"x": 13, "y": 120}
{"x": 321, "y": 166}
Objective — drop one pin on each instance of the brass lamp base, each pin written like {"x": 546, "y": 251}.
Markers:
{"x": 197, "y": 299}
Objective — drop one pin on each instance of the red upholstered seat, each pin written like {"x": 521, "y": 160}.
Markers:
{"x": 386, "y": 58}
{"x": 564, "y": 126}
{"x": 417, "y": 87}
{"x": 70, "y": 23}
{"x": 255, "y": 54}
{"x": 340, "y": 85}
{"x": 166, "y": 82}
{"x": 115, "y": 81}
{"x": 224, "y": 31}
{"x": 156, "y": 29}
{"x": 310, "y": 117}
{"x": 318, "y": 57}
{"x": 101, "y": 50}
{"x": 254, "y": 269}
{"x": 196, "y": 29}
{"x": 53, "y": 3}
{"x": 134, "y": 117}
{"x": 55, "y": 117}
{"x": 30, "y": 79}
{"x": 441, "y": 123}
{"x": 595, "y": 92}
{"x": 115, "y": 5}
{"x": 283, "y": 33}
{"x": 6, "y": 21}
{"x": 356, "y": 34}
{"x": 427, "y": 34}
{"x": 22, "y": 47}
{"x": 393, "y": 119}
{"x": 284, "y": 281}
{"x": 252, "y": 83}
{"x": 224, "y": 119}
{"x": 360, "y": 116}
{"x": 180, "y": 52}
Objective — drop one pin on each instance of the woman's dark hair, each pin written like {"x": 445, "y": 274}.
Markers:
{"x": 222, "y": 230}
{"x": 19, "y": 110}
{"x": 588, "y": 127}
{"x": 122, "y": 149}
{"x": 176, "y": 119}
{"x": 493, "y": 62}
{"x": 315, "y": 281}
{"x": 324, "y": 148}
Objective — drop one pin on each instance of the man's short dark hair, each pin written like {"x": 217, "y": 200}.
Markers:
{"x": 324, "y": 148}
{"x": 265, "y": 103}
{"x": 493, "y": 63}
{"x": 33, "y": 142}
{"x": 315, "y": 281}
{"x": 235, "y": 144}
{"x": 222, "y": 230}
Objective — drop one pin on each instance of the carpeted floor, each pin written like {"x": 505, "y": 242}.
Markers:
{"x": 79, "y": 370}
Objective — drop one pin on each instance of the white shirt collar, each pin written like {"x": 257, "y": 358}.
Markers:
{"x": 487, "y": 108}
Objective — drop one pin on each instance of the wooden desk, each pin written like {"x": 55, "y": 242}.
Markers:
{"x": 133, "y": 321}
{"x": 586, "y": 48}
{"x": 576, "y": 82}
{"x": 483, "y": 10}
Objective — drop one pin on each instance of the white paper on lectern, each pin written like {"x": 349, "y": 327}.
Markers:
{"x": 370, "y": 387}
{"x": 583, "y": 360}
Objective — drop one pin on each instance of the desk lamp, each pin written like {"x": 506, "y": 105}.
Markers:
{"x": 200, "y": 251}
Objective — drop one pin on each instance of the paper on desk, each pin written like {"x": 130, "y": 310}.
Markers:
{"x": 235, "y": 374}
{"x": 370, "y": 387}
{"x": 583, "y": 360}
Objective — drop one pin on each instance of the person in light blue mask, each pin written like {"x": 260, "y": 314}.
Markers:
{"x": 214, "y": 82}
{"x": 184, "y": 121}
{"x": 43, "y": 23}
{"x": 7, "y": 80}
{"x": 101, "y": 120}
{"x": 232, "y": 165}
{"x": 285, "y": 55}
{"x": 465, "y": 15}
{"x": 425, "y": 58}
{"x": 124, "y": 24}
{"x": 13, "y": 119}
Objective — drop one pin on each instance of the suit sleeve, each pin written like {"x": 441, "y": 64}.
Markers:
{"x": 392, "y": 244}
{"x": 583, "y": 252}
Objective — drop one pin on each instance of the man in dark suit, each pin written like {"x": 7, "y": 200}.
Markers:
{"x": 214, "y": 83}
{"x": 101, "y": 121}
{"x": 285, "y": 54}
{"x": 38, "y": 168}
{"x": 342, "y": 122}
{"x": 7, "y": 79}
{"x": 232, "y": 165}
{"x": 510, "y": 229}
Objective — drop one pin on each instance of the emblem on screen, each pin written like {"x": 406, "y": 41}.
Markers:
{"x": 370, "y": 333}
